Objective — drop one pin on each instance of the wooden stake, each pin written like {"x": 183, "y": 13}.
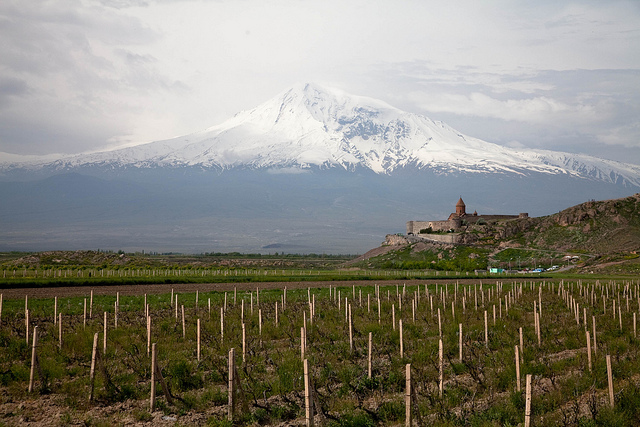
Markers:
{"x": 440, "y": 368}
{"x": 517, "y": 369}
{"x": 308, "y": 401}
{"x": 60, "y": 331}
{"x": 34, "y": 358}
{"x": 184, "y": 328}
{"x": 460, "y": 339}
{"x": 244, "y": 344}
{"x": 104, "y": 344}
{"x": 401, "y": 340}
{"x": 84, "y": 315}
{"x": 198, "y": 337}
{"x": 610, "y": 381}
{"x": 595, "y": 344}
{"x": 221, "y": 324}
{"x": 154, "y": 363}
{"x": 620, "y": 318}
{"x": 350, "y": 330}
{"x": 521, "y": 341}
{"x": 527, "y": 405}
{"x": 55, "y": 310}
{"x": 92, "y": 373}
{"x": 369, "y": 357}
{"x": 148, "y": 334}
{"x": 232, "y": 372}
{"x": 26, "y": 323}
{"x": 302, "y": 340}
{"x": 589, "y": 350}
{"x": 393, "y": 316}
{"x": 407, "y": 396}
{"x": 486, "y": 330}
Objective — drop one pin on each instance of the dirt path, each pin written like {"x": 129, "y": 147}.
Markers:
{"x": 71, "y": 291}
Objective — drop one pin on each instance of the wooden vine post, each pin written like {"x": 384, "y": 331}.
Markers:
{"x": 26, "y": 324}
{"x": 595, "y": 344}
{"x": 154, "y": 362}
{"x": 610, "y": 381}
{"x": 350, "y": 330}
{"x": 34, "y": 358}
{"x": 198, "y": 338}
{"x": 184, "y": 327}
{"x": 527, "y": 404}
{"x": 369, "y": 357}
{"x": 518, "y": 388}
{"x": 244, "y": 344}
{"x": 401, "y": 340}
{"x": 460, "y": 340}
{"x": 588, "y": 350}
{"x": 308, "y": 399}
{"x": 104, "y": 343}
{"x": 60, "y": 331}
{"x": 486, "y": 330}
{"x": 440, "y": 368}
{"x": 221, "y": 324}
{"x": 148, "y": 335}
{"x": 92, "y": 373}
{"x": 156, "y": 375}
{"x": 521, "y": 348}
{"x": 232, "y": 375}
{"x": 407, "y": 396}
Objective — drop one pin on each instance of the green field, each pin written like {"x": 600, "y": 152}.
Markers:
{"x": 479, "y": 390}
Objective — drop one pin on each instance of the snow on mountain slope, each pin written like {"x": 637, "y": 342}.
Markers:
{"x": 310, "y": 125}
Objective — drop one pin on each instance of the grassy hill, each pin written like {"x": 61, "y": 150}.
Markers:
{"x": 601, "y": 235}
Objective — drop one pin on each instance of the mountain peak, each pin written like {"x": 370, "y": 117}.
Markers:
{"x": 312, "y": 125}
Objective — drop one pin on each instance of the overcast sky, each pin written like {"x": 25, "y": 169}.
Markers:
{"x": 79, "y": 76}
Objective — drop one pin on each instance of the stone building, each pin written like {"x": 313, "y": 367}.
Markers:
{"x": 456, "y": 221}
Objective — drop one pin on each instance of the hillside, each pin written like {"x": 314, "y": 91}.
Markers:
{"x": 601, "y": 234}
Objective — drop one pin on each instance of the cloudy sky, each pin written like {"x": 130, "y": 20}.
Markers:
{"x": 80, "y": 75}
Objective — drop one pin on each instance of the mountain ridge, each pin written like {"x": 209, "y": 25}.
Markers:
{"x": 309, "y": 126}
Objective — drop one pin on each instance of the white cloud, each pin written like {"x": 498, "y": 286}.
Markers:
{"x": 536, "y": 109}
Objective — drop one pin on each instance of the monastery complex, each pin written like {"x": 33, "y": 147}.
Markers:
{"x": 456, "y": 222}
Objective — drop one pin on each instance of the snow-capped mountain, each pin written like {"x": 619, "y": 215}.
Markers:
{"x": 311, "y": 126}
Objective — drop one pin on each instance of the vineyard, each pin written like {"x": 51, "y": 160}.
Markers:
{"x": 517, "y": 352}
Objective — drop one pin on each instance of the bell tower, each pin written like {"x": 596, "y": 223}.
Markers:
{"x": 461, "y": 208}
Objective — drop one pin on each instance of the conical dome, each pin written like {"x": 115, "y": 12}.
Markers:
{"x": 460, "y": 208}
